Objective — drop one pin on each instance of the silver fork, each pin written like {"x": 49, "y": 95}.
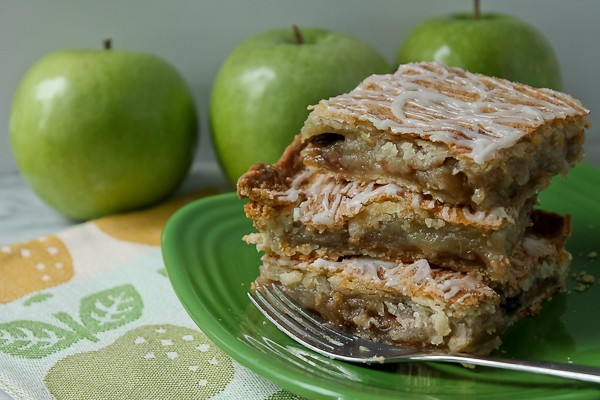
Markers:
{"x": 314, "y": 333}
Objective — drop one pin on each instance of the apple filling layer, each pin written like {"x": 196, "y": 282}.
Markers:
{"x": 462, "y": 138}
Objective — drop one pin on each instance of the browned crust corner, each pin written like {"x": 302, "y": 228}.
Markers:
{"x": 272, "y": 177}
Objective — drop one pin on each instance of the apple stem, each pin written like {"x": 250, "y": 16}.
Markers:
{"x": 297, "y": 35}
{"x": 107, "y": 44}
{"x": 476, "y": 12}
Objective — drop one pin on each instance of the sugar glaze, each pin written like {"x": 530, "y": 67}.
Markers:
{"x": 325, "y": 200}
{"x": 476, "y": 114}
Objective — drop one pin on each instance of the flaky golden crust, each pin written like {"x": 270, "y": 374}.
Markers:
{"x": 263, "y": 178}
{"x": 448, "y": 105}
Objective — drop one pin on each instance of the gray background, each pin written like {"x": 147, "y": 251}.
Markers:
{"x": 196, "y": 36}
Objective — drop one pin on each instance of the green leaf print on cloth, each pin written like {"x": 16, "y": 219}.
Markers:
{"x": 32, "y": 339}
{"x": 148, "y": 362}
{"x": 111, "y": 308}
{"x": 99, "y": 312}
{"x": 37, "y": 298}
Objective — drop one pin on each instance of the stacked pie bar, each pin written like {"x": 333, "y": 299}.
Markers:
{"x": 404, "y": 211}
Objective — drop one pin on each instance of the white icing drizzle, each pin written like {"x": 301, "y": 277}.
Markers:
{"x": 402, "y": 277}
{"x": 532, "y": 247}
{"x": 537, "y": 247}
{"x": 325, "y": 200}
{"x": 446, "y": 104}
{"x": 294, "y": 190}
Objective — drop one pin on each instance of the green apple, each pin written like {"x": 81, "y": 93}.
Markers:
{"x": 491, "y": 44}
{"x": 260, "y": 96}
{"x": 97, "y": 132}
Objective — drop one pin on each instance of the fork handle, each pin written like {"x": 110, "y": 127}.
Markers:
{"x": 571, "y": 371}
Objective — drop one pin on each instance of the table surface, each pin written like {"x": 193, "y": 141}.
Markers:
{"x": 23, "y": 216}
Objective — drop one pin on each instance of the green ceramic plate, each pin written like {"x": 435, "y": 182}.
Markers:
{"x": 211, "y": 269}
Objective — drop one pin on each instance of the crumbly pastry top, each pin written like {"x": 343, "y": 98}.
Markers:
{"x": 474, "y": 114}
{"x": 324, "y": 200}
{"x": 413, "y": 279}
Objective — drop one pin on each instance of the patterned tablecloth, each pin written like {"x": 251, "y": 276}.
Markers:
{"x": 88, "y": 312}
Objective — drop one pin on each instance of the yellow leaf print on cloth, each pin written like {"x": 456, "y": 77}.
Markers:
{"x": 149, "y": 362}
{"x": 146, "y": 226}
{"x": 33, "y": 266}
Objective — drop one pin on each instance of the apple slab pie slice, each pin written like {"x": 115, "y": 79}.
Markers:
{"x": 419, "y": 305}
{"x": 459, "y": 137}
{"x": 302, "y": 212}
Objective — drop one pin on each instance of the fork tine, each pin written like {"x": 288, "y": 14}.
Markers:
{"x": 281, "y": 311}
{"x": 288, "y": 325}
{"x": 286, "y": 306}
{"x": 276, "y": 306}
{"x": 316, "y": 323}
